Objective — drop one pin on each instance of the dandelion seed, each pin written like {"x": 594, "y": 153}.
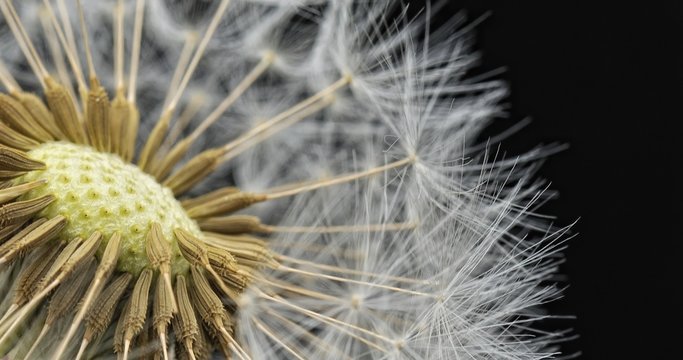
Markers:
{"x": 319, "y": 197}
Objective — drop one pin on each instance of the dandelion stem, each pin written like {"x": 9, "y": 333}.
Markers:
{"x": 119, "y": 38}
{"x": 270, "y": 131}
{"x": 299, "y": 290}
{"x": 153, "y": 142}
{"x": 164, "y": 345}
{"x": 270, "y": 334}
{"x": 69, "y": 50}
{"x": 126, "y": 347}
{"x": 23, "y": 40}
{"x": 341, "y": 279}
{"x": 333, "y": 322}
{"x": 184, "y": 58}
{"x": 208, "y": 34}
{"x": 306, "y": 333}
{"x": 81, "y": 350}
{"x": 206, "y": 162}
{"x": 86, "y": 40}
{"x": 248, "y": 80}
{"x": 190, "y": 353}
{"x": 26, "y": 310}
{"x": 181, "y": 148}
{"x": 70, "y": 43}
{"x": 107, "y": 263}
{"x": 338, "y": 228}
{"x": 7, "y": 80}
{"x": 191, "y": 109}
{"x": 57, "y": 56}
{"x": 344, "y": 81}
{"x": 350, "y": 271}
{"x": 135, "y": 51}
{"x": 238, "y": 349}
{"x": 340, "y": 179}
{"x": 10, "y": 310}
{"x": 43, "y": 331}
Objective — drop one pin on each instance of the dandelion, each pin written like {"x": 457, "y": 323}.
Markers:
{"x": 260, "y": 179}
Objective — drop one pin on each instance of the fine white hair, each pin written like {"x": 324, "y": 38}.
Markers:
{"x": 471, "y": 276}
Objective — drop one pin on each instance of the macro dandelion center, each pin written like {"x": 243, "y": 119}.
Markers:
{"x": 260, "y": 180}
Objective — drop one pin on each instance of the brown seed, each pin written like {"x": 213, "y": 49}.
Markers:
{"x": 14, "y": 139}
{"x": 221, "y": 259}
{"x": 106, "y": 265}
{"x": 68, "y": 293}
{"x": 40, "y": 112}
{"x": 159, "y": 255}
{"x": 6, "y": 174}
{"x": 187, "y": 331}
{"x": 13, "y": 242}
{"x": 164, "y": 307}
{"x": 13, "y": 192}
{"x": 60, "y": 303}
{"x": 193, "y": 249}
{"x": 202, "y": 347}
{"x": 227, "y": 267}
{"x": 110, "y": 257}
{"x": 144, "y": 345}
{"x": 135, "y": 318}
{"x": 38, "y": 265}
{"x": 12, "y": 112}
{"x": 130, "y": 130}
{"x": 121, "y": 328}
{"x": 74, "y": 254}
{"x": 118, "y": 118}
{"x": 15, "y": 160}
{"x": 158, "y": 249}
{"x": 33, "y": 236}
{"x": 59, "y": 262}
{"x": 226, "y": 204}
{"x": 233, "y": 224}
{"x": 84, "y": 252}
{"x": 25, "y": 231}
{"x": 247, "y": 250}
{"x": 97, "y": 116}
{"x": 59, "y": 271}
{"x": 8, "y": 231}
{"x": 99, "y": 317}
{"x": 208, "y": 304}
{"x": 193, "y": 202}
{"x": 65, "y": 114}
{"x": 193, "y": 171}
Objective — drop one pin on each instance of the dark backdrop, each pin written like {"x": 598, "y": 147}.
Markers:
{"x": 607, "y": 80}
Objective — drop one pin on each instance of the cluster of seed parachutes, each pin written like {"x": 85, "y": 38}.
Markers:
{"x": 196, "y": 297}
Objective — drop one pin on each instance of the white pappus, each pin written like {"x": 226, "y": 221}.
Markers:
{"x": 391, "y": 230}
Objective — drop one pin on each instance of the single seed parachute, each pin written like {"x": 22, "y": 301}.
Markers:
{"x": 259, "y": 180}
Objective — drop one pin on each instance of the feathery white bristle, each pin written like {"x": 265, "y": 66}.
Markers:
{"x": 467, "y": 282}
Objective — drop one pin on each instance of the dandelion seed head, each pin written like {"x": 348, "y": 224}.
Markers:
{"x": 260, "y": 179}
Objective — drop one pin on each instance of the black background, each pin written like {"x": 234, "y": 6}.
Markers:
{"x": 606, "y": 79}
